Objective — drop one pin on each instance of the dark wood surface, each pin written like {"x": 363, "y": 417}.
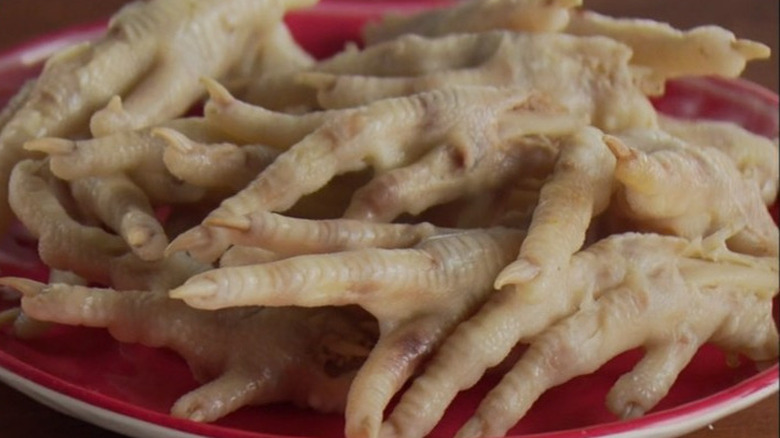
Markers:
{"x": 754, "y": 19}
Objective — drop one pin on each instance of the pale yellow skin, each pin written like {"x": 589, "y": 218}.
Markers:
{"x": 386, "y": 135}
{"x": 407, "y": 56}
{"x": 756, "y": 157}
{"x": 213, "y": 165}
{"x": 727, "y": 302}
{"x": 287, "y": 236}
{"x": 247, "y": 356}
{"x": 88, "y": 251}
{"x": 121, "y": 205}
{"x": 475, "y": 16}
{"x": 26, "y": 327}
{"x": 63, "y": 243}
{"x": 579, "y": 188}
{"x": 152, "y": 55}
{"x": 668, "y": 52}
{"x": 651, "y": 168}
{"x": 418, "y": 296}
{"x": 626, "y": 291}
{"x": 408, "y": 124}
{"x": 175, "y": 54}
{"x": 255, "y": 124}
{"x": 137, "y": 154}
{"x": 589, "y": 76}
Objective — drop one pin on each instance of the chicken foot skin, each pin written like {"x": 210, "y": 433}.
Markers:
{"x": 756, "y": 157}
{"x": 532, "y": 293}
{"x": 225, "y": 32}
{"x": 140, "y": 58}
{"x": 579, "y": 188}
{"x": 123, "y": 206}
{"x": 224, "y": 166}
{"x": 570, "y": 70}
{"x": 66, "y": 244}
{"x": 247, "y": 356}
{"x": 476, "y": 16}
{"x": 668, "y": 52}
{"x": 728, "y": 303}
{"x": 671, "y": 53}
{"x": 651, "y": 165}
{"x": 445, "y": 276}
{"x": 286, "y": 236}
{"x": 385, "y": 135}
{"x": 604, "y": 273}
{"x": 63, "y": 243}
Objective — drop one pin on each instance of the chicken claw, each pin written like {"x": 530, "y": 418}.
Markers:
{"x": 138, "y": 154}
{"x": 90, "y": 252}
{"x": 729, "y": 303}
{"x": 286, "y": 236}
{"x": 567, "y": 68}
{"x": 171, "y": 53}
{"x": 385, "y": 135}
{"x": 756, "y": 157}
{"x": 247, "y": 356}
{"x": 652, "y": 166}
{"x": 668, "y": 52}
{"x": 123, "y": 207}
{"x": 476, "y": 16}
{"x": 579, "y": 189}
{"x": 417, "y": 294}
{"x": 153, "y": 54}
{"x": 214, "y": 165}
{"x": 533, "y": 289}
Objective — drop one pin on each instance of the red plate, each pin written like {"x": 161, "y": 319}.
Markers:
{"x": 129, "y": 388}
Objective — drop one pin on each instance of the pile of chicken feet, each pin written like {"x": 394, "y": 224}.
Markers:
{"x": 475, "y": 178}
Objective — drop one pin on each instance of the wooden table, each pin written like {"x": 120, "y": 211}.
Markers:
{"x": 754, "y": 19}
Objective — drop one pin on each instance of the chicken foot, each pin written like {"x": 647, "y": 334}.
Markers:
{"x": 246, "y": 356}
{"x": 728, "y": 303}
{"x": 652, "y": 166}
{"x": 384, "y": 135}
{"x": 418, "y": 295}
{"x": 570, "y": 70}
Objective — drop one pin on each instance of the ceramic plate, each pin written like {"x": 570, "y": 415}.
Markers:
{"x": 129, "y": 388}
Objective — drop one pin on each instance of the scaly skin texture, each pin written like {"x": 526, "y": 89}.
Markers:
{"x": 406, "y": 56}
{"x": 651, "y": 168}
{"x": 578, "y": 189}
{"x": 248, "y": 356}
{"x": 476, "y": 16}
{"x": 66, "y": 244}
{"x": 138, "y": 154}
{"x": 187, "y": 40}
{"x": 668, "y": 52}
{"x": 466, "y": 124}
{"x": 728, "y": 302}
{"x": 418, "y": 296}
{"x": 587, "y": 75}
{"x": 121, "y": 205}
{"x": 224, "y": 166}
{"x": 153, "y": 55}
{"x": 622, "y": 292}
{"x": 756, "y": 157}
{"x": 444, "y": 127}
{"x": 287, "y": 236}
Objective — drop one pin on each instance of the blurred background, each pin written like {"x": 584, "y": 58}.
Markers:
{"x": 752, "y": 19}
